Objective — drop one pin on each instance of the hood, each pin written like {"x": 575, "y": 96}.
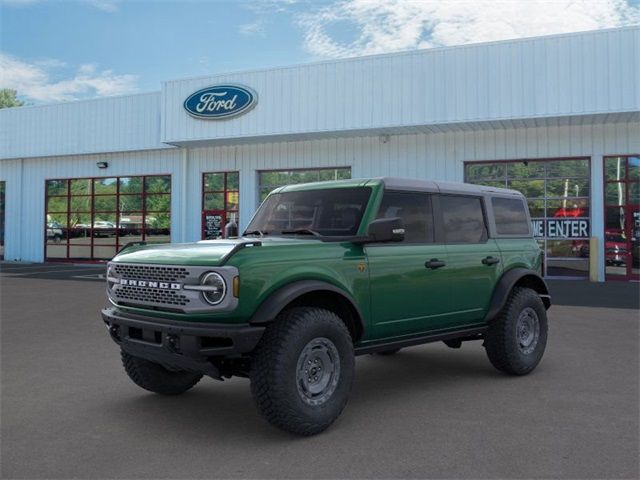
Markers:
{"x": 206, "y": 252}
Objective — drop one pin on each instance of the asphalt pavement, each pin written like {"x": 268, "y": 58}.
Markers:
{"x": 69, "y": 411}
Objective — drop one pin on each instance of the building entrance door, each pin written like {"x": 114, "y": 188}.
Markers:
{"x": 622, "y": 217}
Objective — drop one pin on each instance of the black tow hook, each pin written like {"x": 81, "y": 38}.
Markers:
{"x": 114, "y": 331}
{"x": 173, "y": 343}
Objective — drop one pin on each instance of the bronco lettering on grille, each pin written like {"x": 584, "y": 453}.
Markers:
{"x": 150, "y": 284}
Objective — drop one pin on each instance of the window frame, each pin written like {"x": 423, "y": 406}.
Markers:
{"x": 91, "y": 212}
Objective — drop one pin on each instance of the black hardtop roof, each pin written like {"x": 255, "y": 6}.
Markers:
{"x": 401, "y": 183}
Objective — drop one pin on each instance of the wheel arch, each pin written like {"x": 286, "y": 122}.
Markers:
{"x": 516, "y": 277}
{"x": 312, "y": 293}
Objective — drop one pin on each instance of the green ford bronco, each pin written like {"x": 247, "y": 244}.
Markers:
{"x": 325, "y": 272}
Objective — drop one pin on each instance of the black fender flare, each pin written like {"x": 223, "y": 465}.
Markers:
{"x": 269, "y": 309}
{"x": 510, "y": 279}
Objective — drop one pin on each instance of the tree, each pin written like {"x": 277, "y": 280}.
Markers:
{"x": 8, "y": 98}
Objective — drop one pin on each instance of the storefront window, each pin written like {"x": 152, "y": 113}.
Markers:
{"x": 220, "y": 202}
{"x": 2, "y": 210}
{"x": 269, "y": 180}
{"x": 622, "y": 217}
{"x": 92, "y": 218}
{"x": 558, "y": 193}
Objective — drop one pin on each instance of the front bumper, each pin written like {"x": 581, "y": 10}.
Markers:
{"x": 180, "y": 345}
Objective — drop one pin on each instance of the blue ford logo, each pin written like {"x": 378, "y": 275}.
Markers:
{"x": 220, "y": 101}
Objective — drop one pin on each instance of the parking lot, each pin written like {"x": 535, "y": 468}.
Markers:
{"x": 69, "y": 411}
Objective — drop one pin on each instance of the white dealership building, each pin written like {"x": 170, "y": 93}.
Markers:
{"x": 555, "y": 117}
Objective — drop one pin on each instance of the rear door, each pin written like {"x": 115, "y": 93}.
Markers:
{"x": 474, "y": 262}
{"x": 406, "y": 295}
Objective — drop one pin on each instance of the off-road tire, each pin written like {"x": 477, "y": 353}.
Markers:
{"x": 502, "y": 341}
{"x": 386, "y": 353}
{"x": 155, "y": 378}
{"x": 275, "y": 385}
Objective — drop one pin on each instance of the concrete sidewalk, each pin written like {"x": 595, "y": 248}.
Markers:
{"x": 587, "y": 294}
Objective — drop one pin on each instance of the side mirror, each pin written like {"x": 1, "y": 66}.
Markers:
{"x": 386, "y": 230}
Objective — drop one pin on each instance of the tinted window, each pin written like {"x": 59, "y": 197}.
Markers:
{"x": 463, "y": 219}
{"x": 510, "y": 215}
{"x": 415, "y": 211}
{"x": 330, "y": 212}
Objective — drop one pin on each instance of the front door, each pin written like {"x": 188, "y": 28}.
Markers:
{"x": 622, "y": 242}
{"x": 408, "y": 280}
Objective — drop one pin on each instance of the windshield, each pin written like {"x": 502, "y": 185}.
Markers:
{"x": 328, "y": 212}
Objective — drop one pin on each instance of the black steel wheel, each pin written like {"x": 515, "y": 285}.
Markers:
{"x": 516, "y": 339}
{"x": 302, "y": 370}
{"x": 318, "y": 371}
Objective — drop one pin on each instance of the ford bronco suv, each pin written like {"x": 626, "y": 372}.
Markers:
{"x": 324, "y": 272}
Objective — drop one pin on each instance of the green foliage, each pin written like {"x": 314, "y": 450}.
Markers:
{"x": 8, "y": 98}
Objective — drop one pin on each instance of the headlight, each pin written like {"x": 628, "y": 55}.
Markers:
{"x": 111, "y": 279}
{"x": 216, "y": 288}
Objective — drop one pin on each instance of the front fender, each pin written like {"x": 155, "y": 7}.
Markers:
{"x": 279, "y": 299}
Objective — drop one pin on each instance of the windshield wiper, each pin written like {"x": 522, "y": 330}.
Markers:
{"x": 302, "y": 231}
{"x": 255, "y": 232}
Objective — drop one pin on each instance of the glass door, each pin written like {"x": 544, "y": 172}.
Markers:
{"x": 2, "y": 189}
{"x": 220, "y": 202}
{"x": 622, "y": 217}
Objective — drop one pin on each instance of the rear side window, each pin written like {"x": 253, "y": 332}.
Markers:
{"x": 510, "y": 216}
{"x": 463, "y": 219}
{"x": 415, "y": 211}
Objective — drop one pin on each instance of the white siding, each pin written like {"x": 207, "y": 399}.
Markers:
{"x": 115, "y": 124}
{"x": 548, "y": 77}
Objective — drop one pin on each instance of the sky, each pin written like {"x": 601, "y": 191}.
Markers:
{"x": 61, "y": 50}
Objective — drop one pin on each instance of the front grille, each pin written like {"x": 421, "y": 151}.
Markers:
{"x": 153, "y": 273}
{"x": 131, "y": 294}
{"x": 165, "y": 287}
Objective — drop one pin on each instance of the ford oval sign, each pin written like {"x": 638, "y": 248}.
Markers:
{"x": 220, "y": 101}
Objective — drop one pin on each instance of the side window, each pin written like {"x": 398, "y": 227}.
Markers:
{"x": 510, "y": 216}
{"x": 415, "y": 211}
{"x": 463, "y": 219}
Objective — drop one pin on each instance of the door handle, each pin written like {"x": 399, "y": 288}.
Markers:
{"x": 490, "y": 260}
{"x": 434, "y": 263}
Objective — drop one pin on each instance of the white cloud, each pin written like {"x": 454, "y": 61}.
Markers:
{"x": 109, "y": 6}
{"x": 253, "y": 28}
{"x": 379, "y": 26}
{"x": 264, "y": 7}
{"x": 50, "y": 63}
{"x": 34, "y": 80}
